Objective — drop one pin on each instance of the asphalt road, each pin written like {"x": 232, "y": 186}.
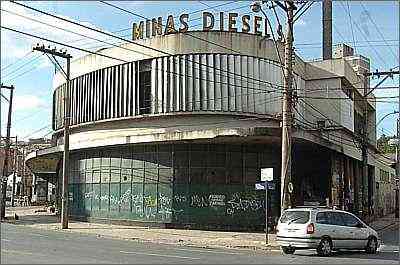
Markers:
{"x": 26, "y": 245}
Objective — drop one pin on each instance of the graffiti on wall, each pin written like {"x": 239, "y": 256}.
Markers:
{"x": 145, "y": 206}
{"x": 150, "y": 207}
{"x": 238, "y": 202}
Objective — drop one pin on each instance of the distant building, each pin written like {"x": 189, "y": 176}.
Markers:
{"x": 27, "y": 184}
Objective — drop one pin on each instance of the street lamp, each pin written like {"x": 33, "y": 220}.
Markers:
{"x": 387, "y": 114}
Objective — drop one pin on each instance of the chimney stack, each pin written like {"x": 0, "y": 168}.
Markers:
{"x": 327, "y": 29}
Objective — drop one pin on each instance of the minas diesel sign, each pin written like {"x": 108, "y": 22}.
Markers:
{"x": 233, "y": 23}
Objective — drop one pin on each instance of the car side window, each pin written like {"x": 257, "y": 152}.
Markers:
{"x": 323, "y": 218}
{"x": 350, "y": 220}
{"x": 337, "y": 219}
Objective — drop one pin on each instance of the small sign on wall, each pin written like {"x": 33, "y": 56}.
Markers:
{"x": 261, "y": 186}
{"x": 267, "y": 174}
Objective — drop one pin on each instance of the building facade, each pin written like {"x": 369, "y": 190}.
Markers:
{"x": 177, "y": 134}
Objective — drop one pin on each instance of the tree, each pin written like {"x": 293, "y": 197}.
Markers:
{"x": 383, "y": 144}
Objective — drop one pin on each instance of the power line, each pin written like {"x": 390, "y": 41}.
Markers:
{"x": 62, "y": 44}
{"x": 338, "y": 43}
{"x": 46, "y": 39}
{"x": 15, "y": 62}
{"x": 144, "y": 46}
{"x": 379, "y": 31}
{"x": 126, "y": 29}
{"x": 136, "y": 51}
{"x": 187, "y": 33}
{"x": 39, "y": 130}
{"x": 125, "y": 48}
{"x": 356, "y": 46}
{"x": 28, "y": 62}
{"x": 73, "y": 47}
{"x": 192, "y": 26}
{"x": 346, "y": 98}
{"x": 135, "y": 43}
{"x": 351, "y": 23}
{"x": 22, "y": 74}
{"x": 362, "y": 33}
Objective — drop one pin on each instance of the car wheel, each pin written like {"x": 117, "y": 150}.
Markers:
{"x": 288, "y": 250}
{"x": 325, "y": 247}
{"x": 372, "y": 246}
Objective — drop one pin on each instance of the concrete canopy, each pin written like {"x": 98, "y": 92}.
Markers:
{"x": 44, "y": 161}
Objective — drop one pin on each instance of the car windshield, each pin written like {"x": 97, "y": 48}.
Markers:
{"x": 296, "y": 217}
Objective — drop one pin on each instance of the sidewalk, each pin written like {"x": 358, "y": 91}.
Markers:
{"x": 383, "y": 222}
{"x": 197, "y": 238}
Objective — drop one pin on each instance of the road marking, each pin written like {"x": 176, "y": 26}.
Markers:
{"x": 17, "y": 252}
{"x": 5, "y": 240}
{"x": 211, "y": 251}
{"x": 39, "y": 235}
{"x": 158, "y": 255}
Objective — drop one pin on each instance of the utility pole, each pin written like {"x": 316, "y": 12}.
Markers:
{"x": 15, "y": 170}
{"x": 364, "y": 153}
{"x": 287, "y": 115}
{"x": 64, "y": 196}
{"x": 6, "y": 155}
{"x": 23, "y": 179}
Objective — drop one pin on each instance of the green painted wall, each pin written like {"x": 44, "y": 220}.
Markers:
{"x": 183, "y": 184}
{"x": 225, "y": 205}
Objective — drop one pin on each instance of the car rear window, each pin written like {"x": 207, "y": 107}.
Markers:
{"x": 295, "y": 217}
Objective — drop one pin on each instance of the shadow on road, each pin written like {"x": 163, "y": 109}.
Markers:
{"x": 35, "y": 219}
{"x": 383, "y": 255}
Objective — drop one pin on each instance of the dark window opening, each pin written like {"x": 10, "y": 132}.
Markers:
{"x": 145, "y": 88}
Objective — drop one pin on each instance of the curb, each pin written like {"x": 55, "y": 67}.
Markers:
{"x": 386, "y": 226}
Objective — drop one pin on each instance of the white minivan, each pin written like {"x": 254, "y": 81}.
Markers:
{"x": 325, "y": 230}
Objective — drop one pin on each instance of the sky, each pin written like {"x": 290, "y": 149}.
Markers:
{"x": 372, "y": 27}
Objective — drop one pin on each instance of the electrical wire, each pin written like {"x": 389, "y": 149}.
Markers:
{"x": 39, "y": 130}
{"x": 351, "y": 24}
{"x": 23, "y": 65}
{"x": 142, "y": 45}
{"x": 371, "y": 46}
{"x": 234, "y": 74}
{"x": 126, "y": 29}
{"x": 15, "y": 62}
{"x": 378, "y": 30}
{"x": 13, "y": 78}
{"x": 319, "y": 44}
{"x": 77, "y": 33}
{"x": 62, "y": 44}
